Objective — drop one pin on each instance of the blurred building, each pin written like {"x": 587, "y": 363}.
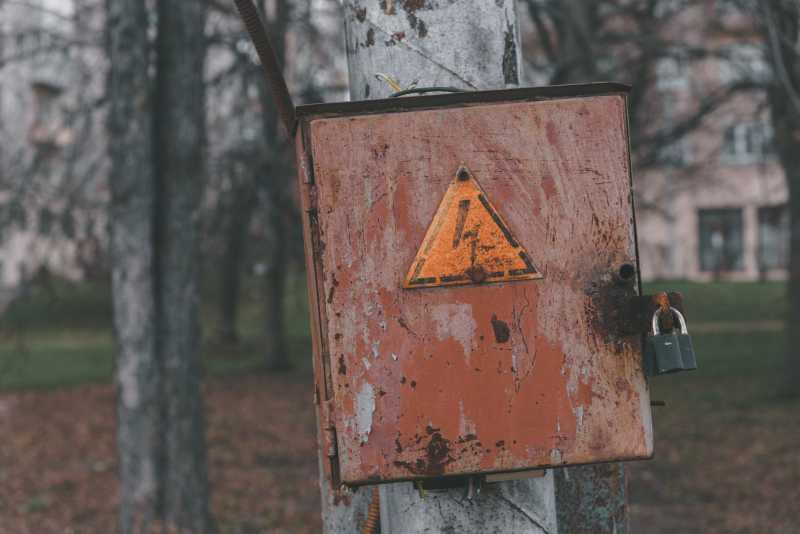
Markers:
{"x": 714, "y": 205}
{"x": 52, "y": 194}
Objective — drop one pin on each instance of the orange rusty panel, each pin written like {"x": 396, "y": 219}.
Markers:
{"x": 484, "y": 377}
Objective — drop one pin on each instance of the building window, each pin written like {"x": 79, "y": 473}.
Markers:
{"x": 672, "y": 72}
{"x": 744, "y": 62}
{"x": 721, "y": 243}
{"x": 747, "y": 143}
{"x": 675, "y": 154}
{"x": 47, "y": 114}
{"x": 773, "y": 237}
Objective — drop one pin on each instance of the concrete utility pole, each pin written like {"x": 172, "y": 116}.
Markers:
{"x": 470, "y": 45}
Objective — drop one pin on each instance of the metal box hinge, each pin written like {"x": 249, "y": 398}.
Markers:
{"x": 331, "y": 449}
{"x": 328, "y": 429}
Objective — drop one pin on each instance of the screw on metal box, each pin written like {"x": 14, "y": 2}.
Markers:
{"x": 664, "y": 353}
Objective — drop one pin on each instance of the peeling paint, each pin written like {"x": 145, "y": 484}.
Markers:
{"x": 365, "y": 408}
{"x": 466, "y": 427}
{"x": 455, "y": 321}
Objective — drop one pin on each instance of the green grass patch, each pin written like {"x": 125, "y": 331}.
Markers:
{"x": 734, "y": 370}
{"x": 64, "y": 361}
{"x": 60, "y": 305}
{"x": 62, "y": 335}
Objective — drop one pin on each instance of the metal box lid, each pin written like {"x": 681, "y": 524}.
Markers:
{"x": 462, "y": 250}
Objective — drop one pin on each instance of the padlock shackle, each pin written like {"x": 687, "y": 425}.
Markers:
{"x": 657, "y": 330}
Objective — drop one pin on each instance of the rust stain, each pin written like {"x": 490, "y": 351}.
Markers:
{"x": 412, "y": 6}
{"x": 332, "y": 290}
{"x": 434, "y": 458}
{"x": 468, "y": 242}
{"x": 387, "y": 6}
{"x": 501, "y": 330}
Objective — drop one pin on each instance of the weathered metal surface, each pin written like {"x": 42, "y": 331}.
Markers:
{"x": 482, "y": 377}
{"x": 468, "y": 242}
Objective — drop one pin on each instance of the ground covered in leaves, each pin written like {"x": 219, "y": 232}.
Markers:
{"x": 58, "y": 467}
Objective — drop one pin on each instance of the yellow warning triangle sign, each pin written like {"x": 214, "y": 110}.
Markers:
{"x": 468, "y": 242}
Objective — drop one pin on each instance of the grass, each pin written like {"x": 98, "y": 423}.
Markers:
{"x": 62, "y": 335}
{"x": 728, "y": 301}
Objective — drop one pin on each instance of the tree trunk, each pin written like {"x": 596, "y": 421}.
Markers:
{"x": 592, "y": 499}
{"x": 276, "y": 356}
{"x": 472, "y": 44}
{"x": 180, "y": 135}
{"x": 156, "y": 154}
{"x": 782, "y": 34}
{"x": 578, "y": 18}
{"x": 132, "y": 183}
{"x": 240, "y": 212}
{"x": 274, "y": 183}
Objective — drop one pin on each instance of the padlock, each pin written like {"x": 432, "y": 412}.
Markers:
{"x": 663, "y": 352}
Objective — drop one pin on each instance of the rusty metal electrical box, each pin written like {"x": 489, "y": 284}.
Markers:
{"x": 466, "y": 258}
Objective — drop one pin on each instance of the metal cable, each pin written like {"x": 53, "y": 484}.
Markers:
{"x": 272, "y": 71}
{"x": 373, "y": 519}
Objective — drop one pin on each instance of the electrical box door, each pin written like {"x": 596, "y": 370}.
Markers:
{"x": 466, "y": 256}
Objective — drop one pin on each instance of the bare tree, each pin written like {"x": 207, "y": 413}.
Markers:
{"x": 259, "y": 178}
{"x": 782, "y": 34}
{"x": 274, "y": 182}
{"x": 180, "y": 134}
{"x": 157, "y": 128}
{"x": 133, "y": 191}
